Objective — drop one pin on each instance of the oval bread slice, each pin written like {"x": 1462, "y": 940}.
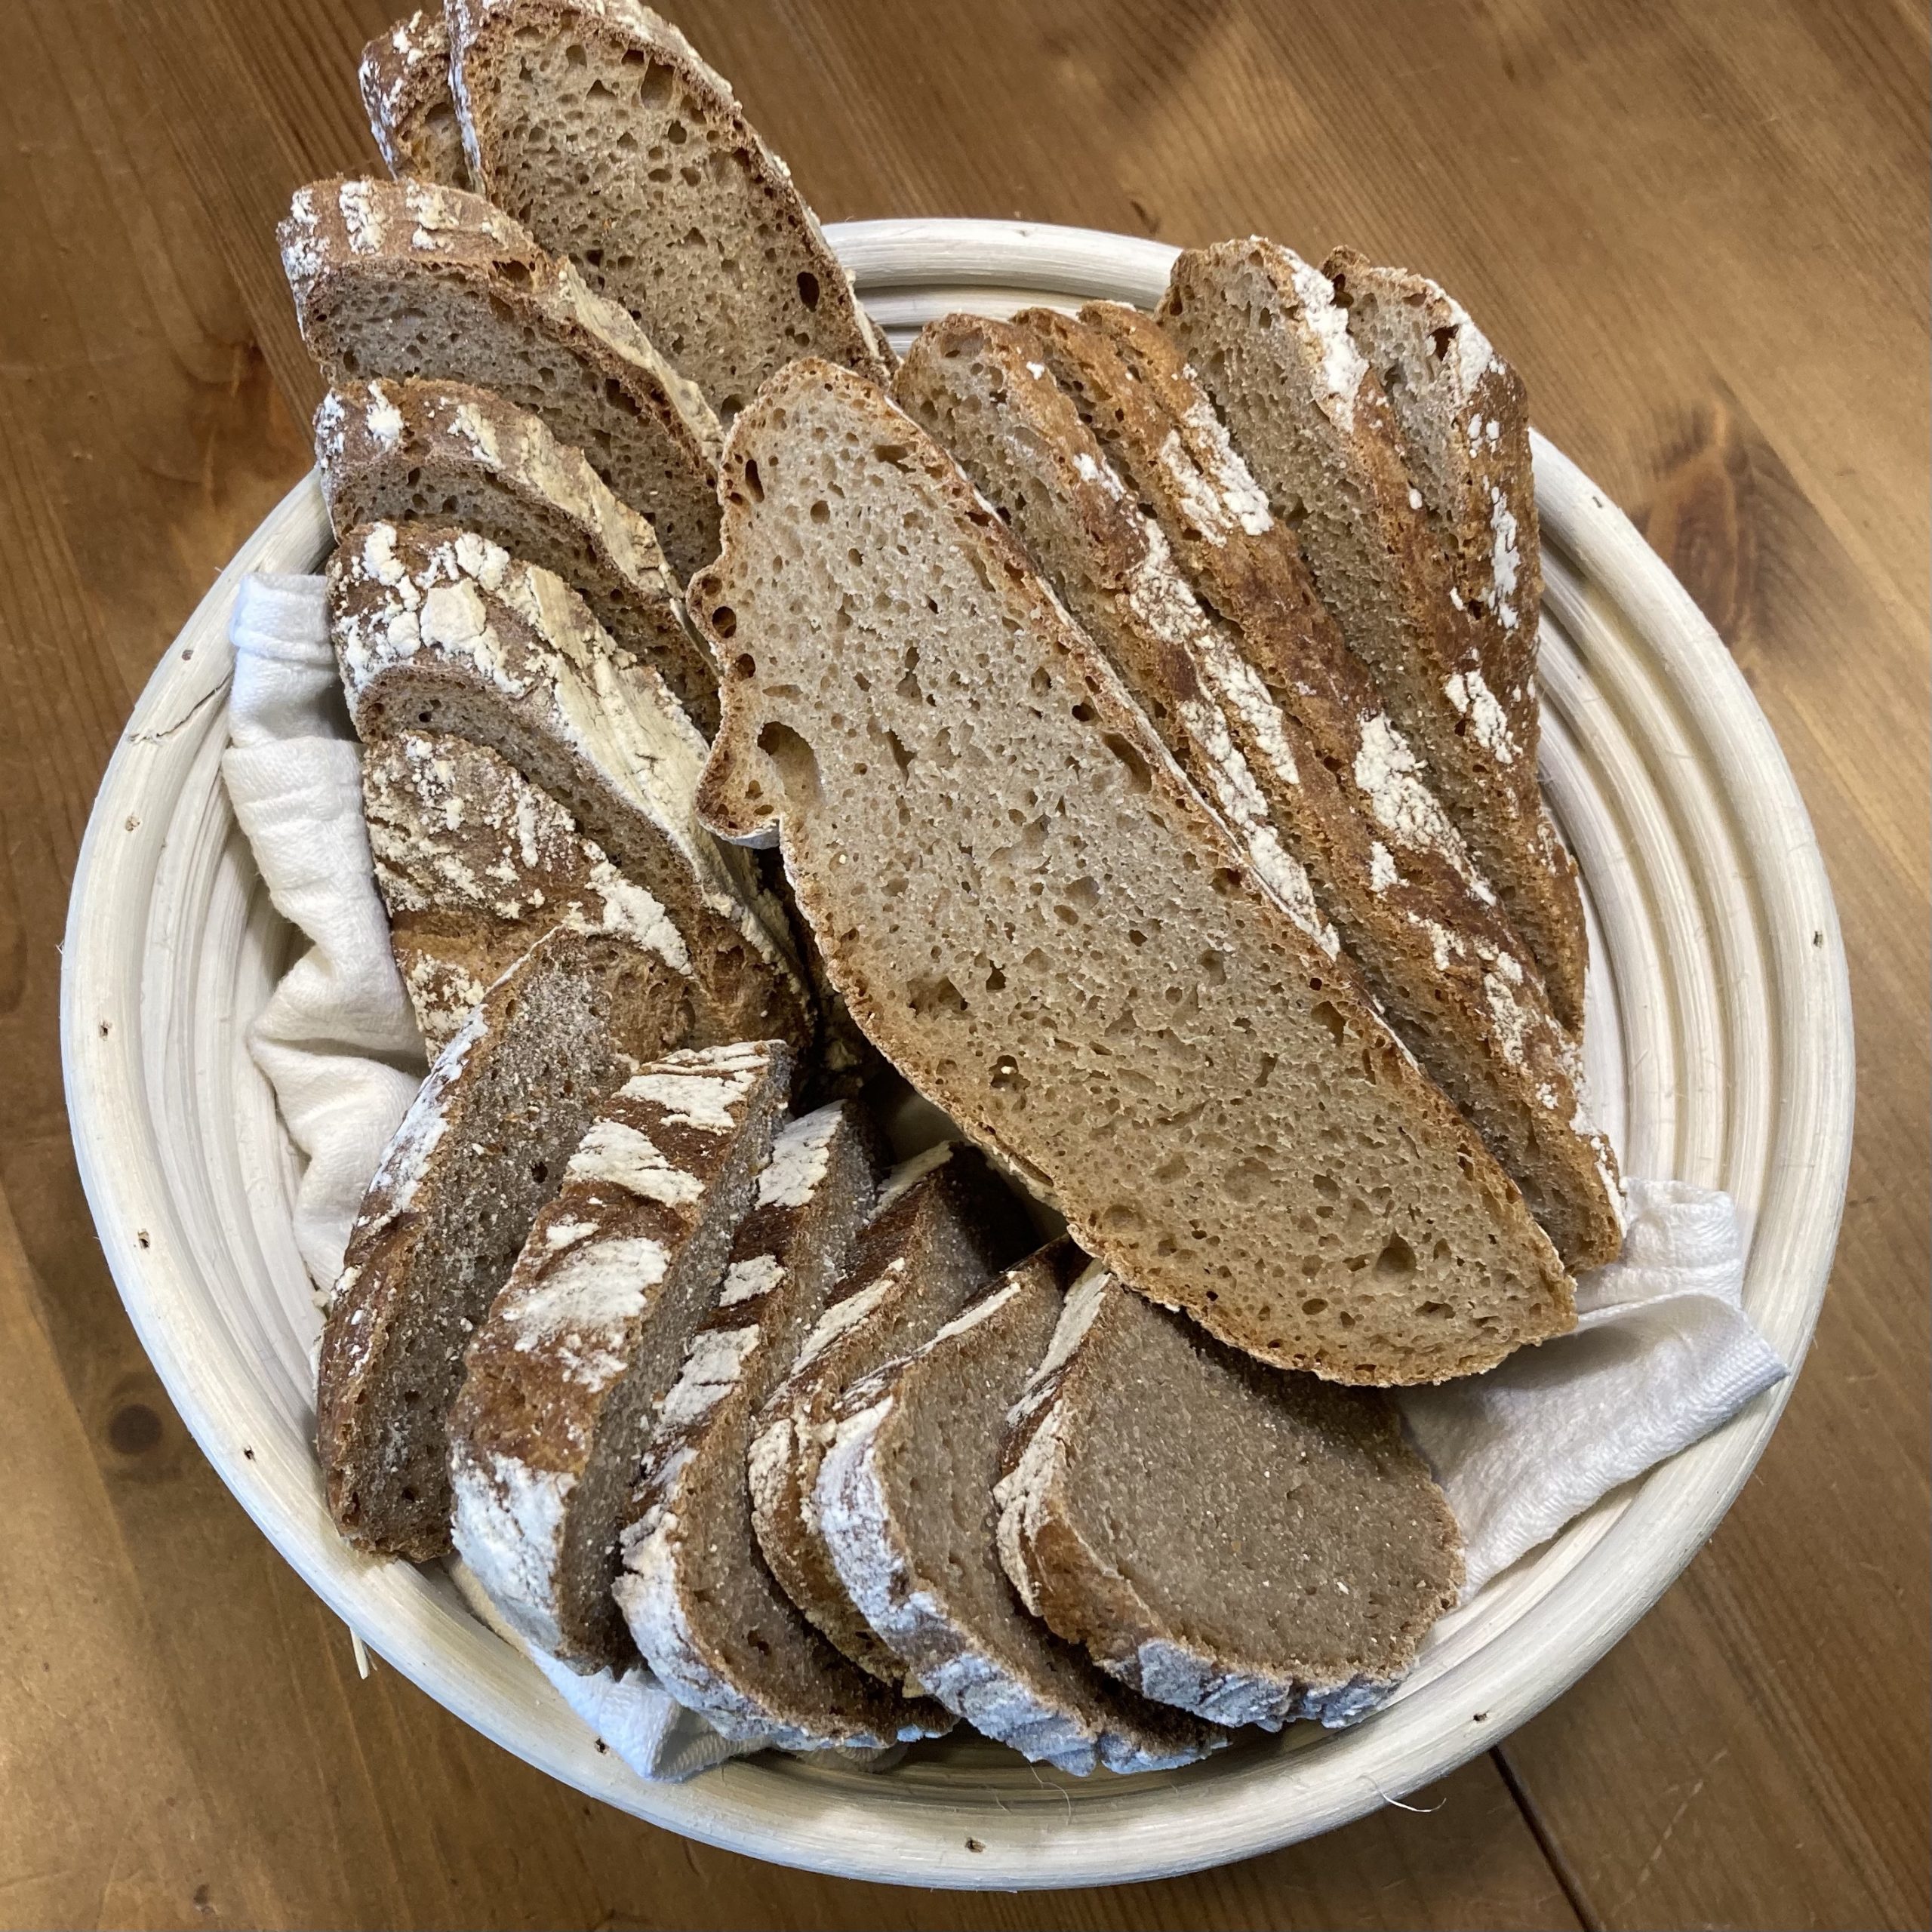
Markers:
{"x": 405, "y": 77}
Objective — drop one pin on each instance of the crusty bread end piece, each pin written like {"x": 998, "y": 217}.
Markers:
{"x": 405, "y": 77}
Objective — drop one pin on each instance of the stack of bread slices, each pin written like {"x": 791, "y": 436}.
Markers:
{"x": 1121, "y": 729}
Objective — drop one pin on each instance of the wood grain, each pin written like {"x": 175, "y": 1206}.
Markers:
{"x": 1700, "y": 231}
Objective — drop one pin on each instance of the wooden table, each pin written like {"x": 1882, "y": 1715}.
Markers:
{"x": 1701, "y": 232}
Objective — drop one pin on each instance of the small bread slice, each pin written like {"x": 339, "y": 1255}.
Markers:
{"x": 905, "y": 1507}
{"x": 410, "y": 279}
{"x": 1252, "y": 1546}
{"x": 482, "y": 1149}
{"x": 705, "y": 1610}
{"x": 404, "y": 76}
{"x": 436, "y": 452}
{"x": 1312, "y": 419}
{"x": 944, "y": 1226}
{"x": 475, "y": 865}
{"x": 595, "y": 122}
{"x": 438, "y": 630}
{"x": 565, "y": 1375}
{"x": 1342, "y": 789}
{"x": 1034, "y": 916}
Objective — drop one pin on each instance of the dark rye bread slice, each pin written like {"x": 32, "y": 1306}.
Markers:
{"x": 476, "y": 864}
{"x": 1034, "y": 916}
{"x": 595, "y": 122}
{"x": 1313, "y": 422}
{"x": 905, "y": 1507}
{"x": 1254, "y": 1546}
{"x": 446, "y": 453}
{"x": 1343, "y": 789}
{"x": 410, "y": 279}
{"x": 439, "y": 630}
{"x": 404, "y": 76}
{"x": 704, "y": 1609}
{"x": 482, "y": 1149}
{"x": 944, "y": 1226}
{"x": 565, "y": 1374}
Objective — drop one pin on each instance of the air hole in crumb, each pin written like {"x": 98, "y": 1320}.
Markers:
{"x": 725, "y": 620}
{"x": 1138, "y": 776}
{"x": 1397, "y": 1260}
{"x": 1442, "y": 338}
{"x": 809, "y": 288}
{"x": 796, "y": 761}
{"x": 1327, "y": 1015}
{"x": 751, "y": 482}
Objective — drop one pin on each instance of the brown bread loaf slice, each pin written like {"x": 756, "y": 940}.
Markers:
{"x": 565, "y": 1375}
{"x": 480, "y": 1151}
{"x": 1312, "y": 419}
{"x": 445, "y": 453}
{"x": 1343, "y": 789}
{"x": 410, "y": 279}
{"x": 905, "y": 1507}
{"x": 596, "y": 123}
{"x": 1254, "y": 1546}
{"x": 404, "y": 76}
{"x": 476, "y": 864}
{"x": 1033, "y": 915}
{"x": 944, "y": 1226}
{"x": 702, "y": 1605}
{"x": 439, "y": 630}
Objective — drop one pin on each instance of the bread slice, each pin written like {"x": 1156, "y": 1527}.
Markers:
{"x": 705, "y": 1609}
{"x": 1342, "y": 789}
{"x": 1035, "y": 918}
{"x": 482, "y": 1149}
{"x": 434, "y": 452}
{"x": 565, "y": 1375}
{"x": 596, "y": 123}
{"x": 404, "y": 76}
{"x": 945, "y": 1224}
{"x": 906, "y": 1506}
{"x": 1311, "y": 418}
{"x": 1252, "y": 1546}
{"x": 410, "y": 279}
{"x": 438, "y": 630}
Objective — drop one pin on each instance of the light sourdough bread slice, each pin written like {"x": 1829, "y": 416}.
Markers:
{"x": 1343, "y": 790}
{"x": 1254, "y": 1546}
{"x": 404, "y": 76}
{"x": 1312, "y": 419}
{"x": 479, "y": 1152}
{"x": 565, "y": 1375}
{"x": 410, "y": 278}
{"x": 444, "y": 452}
{"x": 705, "y": 1609}
{"x": 438, "y": 630}
{"x": 905, "y": 1507}
{"x": 595, "y": 122}
{"x": 945, "y": 1224}
{"x": 1032, "y": 913}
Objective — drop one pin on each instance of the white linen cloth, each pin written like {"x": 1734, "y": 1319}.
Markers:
{"x": 1663, "y": 1353}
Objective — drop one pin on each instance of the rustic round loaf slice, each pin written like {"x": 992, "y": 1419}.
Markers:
{"x": 446, "y": 453}
{"x": 906, "y": 1508}
{"x": 704, "y": 1608}
{"x": 404, "y": 76}
{"x": 410, "y": 279}
{"x": 595, "y": 122}
{"x": 565, "y": 1375}
{"x": 944, "y": 1224}
{"x": 1254, "y": 1546}
{"x": 479, "y": 1152}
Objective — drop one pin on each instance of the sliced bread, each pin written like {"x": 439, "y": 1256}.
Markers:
{"x": 438, "y": 630}
{"x": 410, "y": 279}
{"x": 596, "y": 123}
{"x": 1254, "y": 1546}
{"x": 704, "y": 1608}
{"x": 480, "y": 1151}
{"x": 405, "y": 77}
{"x": 565, "y": 1374}
{"x": 444, "y": 452}
{"x": 1343, "y": 789}
{"x": 945, "y": 1224}
{"x": 1311, "y": 417}
{"x": 906, "y": 1508}
{"x": 1033, "y": 915}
